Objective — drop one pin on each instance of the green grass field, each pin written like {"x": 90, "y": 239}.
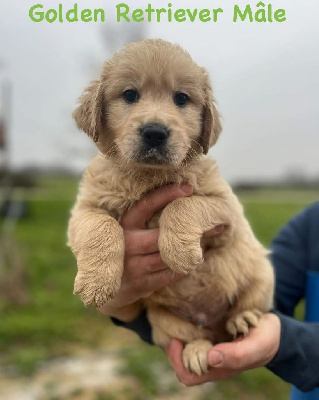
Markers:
{"x": 55, "y": 323}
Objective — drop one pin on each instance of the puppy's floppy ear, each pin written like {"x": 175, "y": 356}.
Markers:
{"x": 211, "y": 125}
{"x": 89, "y": 114}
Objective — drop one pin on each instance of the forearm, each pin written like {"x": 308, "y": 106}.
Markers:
{"x": 297, "y": 358}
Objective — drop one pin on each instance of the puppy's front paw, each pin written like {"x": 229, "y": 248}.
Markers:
{"x": 181, "y": 255}
{"x": 195, "y": 356}
{"x": 240, "y": 323}
{"x": 179, "y": 239}
{"x": 96, "y": 288}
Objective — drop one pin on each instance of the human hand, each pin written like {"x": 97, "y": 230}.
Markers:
{"x": 226, "y": 360}
{"x": 144, "y": 270}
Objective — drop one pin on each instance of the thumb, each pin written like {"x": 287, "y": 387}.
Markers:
{"x": 241, "y": 354}
{"x": 254, "y": 350}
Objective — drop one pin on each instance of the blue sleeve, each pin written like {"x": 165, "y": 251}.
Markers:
{"x": 139, "y": 325}
{"x": 294, "y": 251}
{"x": 297, "y": 360}
{"x": 290, "y": 260}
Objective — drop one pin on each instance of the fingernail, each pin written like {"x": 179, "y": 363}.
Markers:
{"x": 187, "y": 188}
{"x": 215, "y": 358}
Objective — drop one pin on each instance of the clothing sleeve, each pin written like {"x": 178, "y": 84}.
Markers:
{"x": 297, "y": 360}
{"x": 289, "y": 258}
{"x": 139, "y": 325}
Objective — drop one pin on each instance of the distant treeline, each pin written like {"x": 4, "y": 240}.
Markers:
{"x": 27, "y": 178}
{"x": 278, "y": 184}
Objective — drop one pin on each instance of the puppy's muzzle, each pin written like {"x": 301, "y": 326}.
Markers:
{"x": 154, "y": 135}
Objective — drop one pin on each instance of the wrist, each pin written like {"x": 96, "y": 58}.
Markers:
{"x": 274, "y": 324}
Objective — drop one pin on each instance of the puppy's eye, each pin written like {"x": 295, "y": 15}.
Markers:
{"x": 180, "y": 99}
{"x": 131, "y": 96}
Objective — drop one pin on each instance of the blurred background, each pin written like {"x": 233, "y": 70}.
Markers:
{"x": 266, "y": 81}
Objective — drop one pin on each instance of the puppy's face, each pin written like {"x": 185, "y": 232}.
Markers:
{"x": 153, "y": 105}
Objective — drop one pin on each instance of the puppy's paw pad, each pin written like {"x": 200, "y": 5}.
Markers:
{"x": 240, "y": 323}
{"x": 195, "y": 356}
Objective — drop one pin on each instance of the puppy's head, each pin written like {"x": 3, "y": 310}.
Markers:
{"x": 152, "y": 105}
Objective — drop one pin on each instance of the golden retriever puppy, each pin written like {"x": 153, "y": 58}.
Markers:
{"x": 153, "y": 118}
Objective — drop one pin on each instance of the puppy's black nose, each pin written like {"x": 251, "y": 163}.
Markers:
{"x": 154, "y": 135}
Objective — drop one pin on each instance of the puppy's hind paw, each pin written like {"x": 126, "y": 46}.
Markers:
{"x": 240, "y": 323}
{"x": 195, "y": 356}
{"x": 95, "y": 292}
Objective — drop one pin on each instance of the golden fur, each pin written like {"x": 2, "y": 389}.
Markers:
{"x": 223, "y": 294}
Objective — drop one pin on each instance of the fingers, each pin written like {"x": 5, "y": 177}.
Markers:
{"x": 141, "y": 265}
{"x": 160, "y": 279}
{"x": 174, "y": 352}
{"x": 153, "y": 282}
{"x": 141, "y": 241}
{"x": 156, "y": 200}
{"x": 146, "y": 274}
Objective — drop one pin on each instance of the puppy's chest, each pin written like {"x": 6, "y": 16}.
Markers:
{"x": 117, "y": 194}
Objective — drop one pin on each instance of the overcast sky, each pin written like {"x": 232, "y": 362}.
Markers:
{"x": 265, "y": 78}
